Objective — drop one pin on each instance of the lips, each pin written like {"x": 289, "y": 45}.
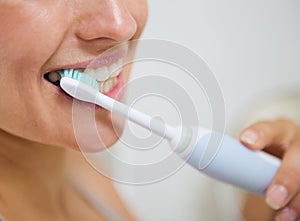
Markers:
{"x": 105, "y": 69}
{"x": 105, "y": 86}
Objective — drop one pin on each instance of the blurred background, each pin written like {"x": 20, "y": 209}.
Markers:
{"x": 253, "y": 49}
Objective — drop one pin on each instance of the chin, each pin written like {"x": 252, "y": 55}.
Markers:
{"x": 92, "y": 137}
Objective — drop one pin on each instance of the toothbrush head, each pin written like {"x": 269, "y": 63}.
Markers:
{"x": 81, "y": 77}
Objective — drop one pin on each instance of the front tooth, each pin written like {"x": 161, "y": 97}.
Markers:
{"x": 114, "y": 81}
{"x": 90, "y": 72}
{"x": 102, "y": 74}
{"x": 116, "y": 67}
{"x": 103, "y": 86}
{"x": 113, "y": 68}
{"x": 106, "y": 86}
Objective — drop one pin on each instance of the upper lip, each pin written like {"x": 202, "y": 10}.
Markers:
{"x": 104, "y": 59}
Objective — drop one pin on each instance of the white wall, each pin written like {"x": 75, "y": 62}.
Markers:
{"x": 253, "y": 48}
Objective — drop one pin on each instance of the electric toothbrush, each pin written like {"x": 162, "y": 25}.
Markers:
{"x": 232, "y": 162}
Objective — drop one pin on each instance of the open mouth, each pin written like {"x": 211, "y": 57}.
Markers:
{"x": 107, "y": 77}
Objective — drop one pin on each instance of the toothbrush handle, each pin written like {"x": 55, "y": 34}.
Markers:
{"x": 234, "y": 163}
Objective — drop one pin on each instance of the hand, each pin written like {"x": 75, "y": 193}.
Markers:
{"x": 280, "y": 138}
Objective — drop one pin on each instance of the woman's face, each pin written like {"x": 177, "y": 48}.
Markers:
{"x": 38, "y": 37}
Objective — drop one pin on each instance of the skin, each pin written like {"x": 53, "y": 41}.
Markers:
{"x": 37, "y": 139}
{"x": 281, "y": 138}
{"x": 36, "y": 135}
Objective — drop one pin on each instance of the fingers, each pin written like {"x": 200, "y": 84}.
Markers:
{"x": 291, "y": 212}
{"x": 278, "y": 133}
{"x": 286, "y": 214}
{"x": 283, "y": 137}
{"x": 286, "y": 183}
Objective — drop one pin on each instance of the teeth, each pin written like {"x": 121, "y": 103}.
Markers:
{"x": 91, "y": 72}
{"x": 115, "y": 68}
{"x": 106, "y": 86}
{"x": 104, "y": 73}
{"x": 54, "y": 77}
{"x": 106, "y": 76}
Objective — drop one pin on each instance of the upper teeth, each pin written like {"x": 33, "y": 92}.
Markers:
{"x": 106, "y": 86}
{"x": 106, "y": 72}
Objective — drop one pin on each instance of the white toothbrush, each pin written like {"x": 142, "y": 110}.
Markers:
{"x": 232, "y": 163}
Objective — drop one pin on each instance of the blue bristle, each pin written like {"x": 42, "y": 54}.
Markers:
{"x": 79, "y": 76}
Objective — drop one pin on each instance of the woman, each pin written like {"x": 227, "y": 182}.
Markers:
{"x": 42, "y": 177}
{"x": 37, "y": 157}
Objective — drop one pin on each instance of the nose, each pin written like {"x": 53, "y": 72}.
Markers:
{"x": 104, "y": 19}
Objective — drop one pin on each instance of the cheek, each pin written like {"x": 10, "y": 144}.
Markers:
{"x": 30, "y": 33}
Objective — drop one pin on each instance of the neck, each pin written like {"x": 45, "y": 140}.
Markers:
{"x": 30, "y": 166}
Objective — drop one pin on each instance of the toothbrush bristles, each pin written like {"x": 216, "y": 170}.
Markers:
{"x": 80, "y": 76}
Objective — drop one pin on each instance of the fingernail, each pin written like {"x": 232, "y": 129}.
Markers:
{"x": 287, "y": 214}
{"x": 250, "y": 137}
{"x": 276, "y": 196}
